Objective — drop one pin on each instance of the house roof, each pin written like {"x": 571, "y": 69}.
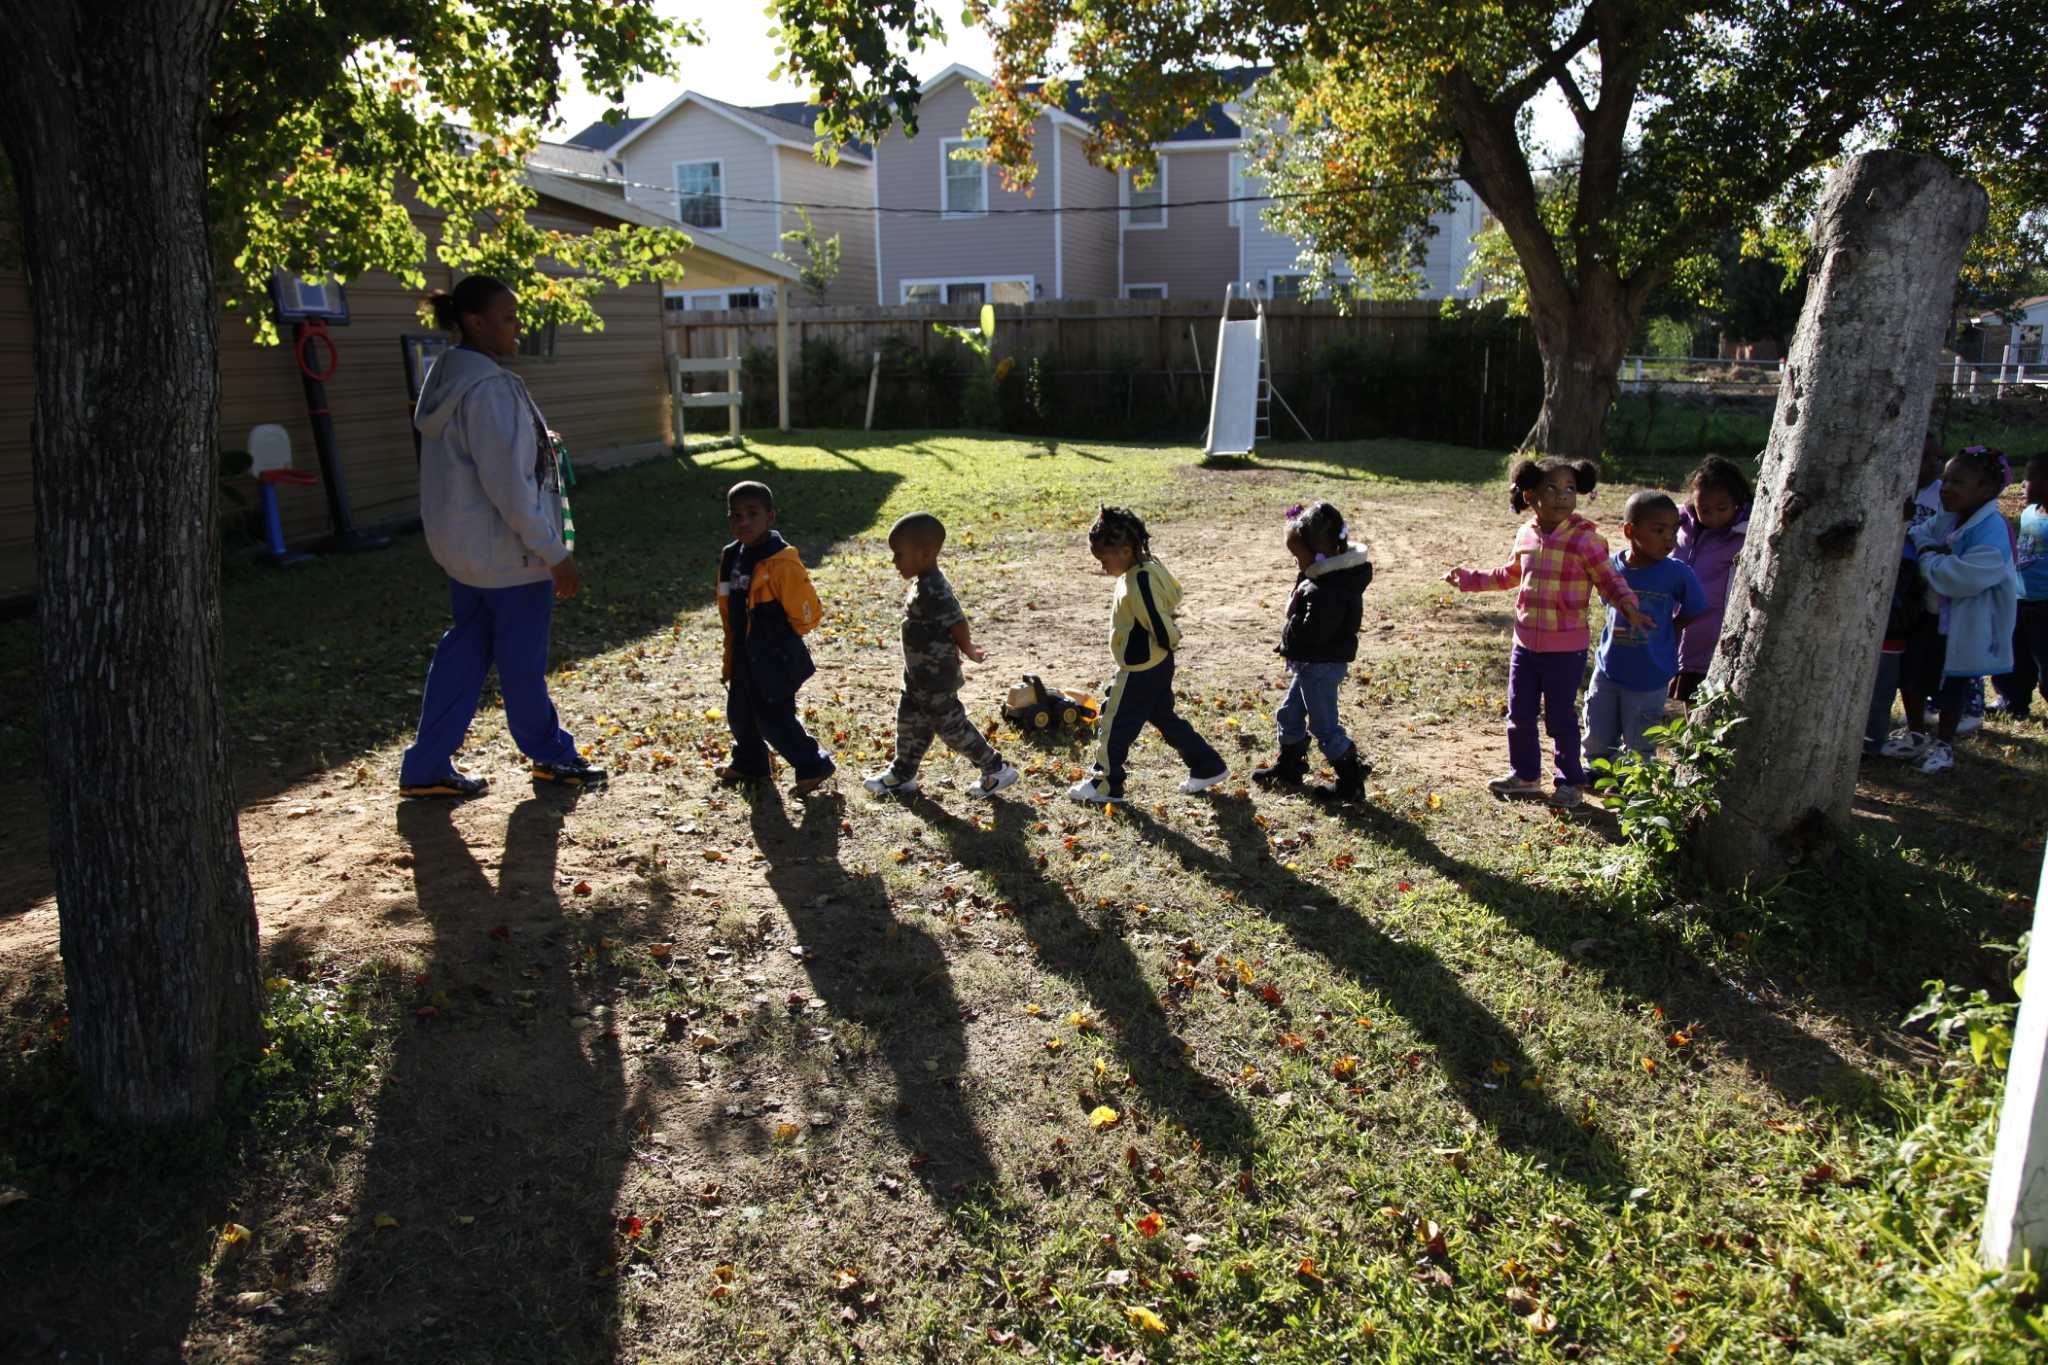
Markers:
{"x": 601, "y": 135}
{"x": 789, "y": 125}
{"x": 582, "y": 161}
{"x": 1213, "y": 124}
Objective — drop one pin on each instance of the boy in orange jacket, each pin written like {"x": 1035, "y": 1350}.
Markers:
{"x": 767, "y": 605}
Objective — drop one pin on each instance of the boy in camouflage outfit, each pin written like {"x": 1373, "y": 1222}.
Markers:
{"x": 935, "y": 635}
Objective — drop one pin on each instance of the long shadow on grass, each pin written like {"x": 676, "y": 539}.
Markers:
{"x": 1467, "y": 1037}
{"x": 872, "y": 968}
{"x": 1645, "y": 964}
{"x": 502, "y": 1131}
{"x": 1103, "y": 965}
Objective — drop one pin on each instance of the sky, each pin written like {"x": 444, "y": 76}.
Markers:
{"x": 739, "y": 51}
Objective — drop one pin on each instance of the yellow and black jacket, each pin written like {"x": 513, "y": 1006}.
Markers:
{"x": 1141, "y": 626}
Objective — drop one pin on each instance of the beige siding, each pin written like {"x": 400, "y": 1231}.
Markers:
{"x": 922, "y": 246}
{"x": 694, "y": 133}
{"x": 604, "y": 391}
{"x": 1088, "y": 240}
{"x": 848, "y": 188}
{"x": 1195, "y": 254}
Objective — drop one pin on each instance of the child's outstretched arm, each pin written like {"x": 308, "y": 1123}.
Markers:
{"x": 1486, "y": 580}
{"x": 964, "y": 642}
{"x": 1612, "y": 587}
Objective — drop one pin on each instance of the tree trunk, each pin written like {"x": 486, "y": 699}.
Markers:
{"x": 106, "y": 103}
{"x": 1581, "y": 343}
{"x": 1807, "y": 604}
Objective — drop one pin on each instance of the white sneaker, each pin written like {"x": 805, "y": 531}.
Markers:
{"x": 1970, "y": 724}
{"x": 1092, "y": 790}
{"x": 883, "y": 783}
{"x": 1202, "y": 784}
{"x": 1566, "y": 796}
{"x": 991, "y": 783}
{"x": 1938, "y": 759}
{"x": 1904, "y": 743}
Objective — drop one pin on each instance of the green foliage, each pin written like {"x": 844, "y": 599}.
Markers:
{"x": 331, "y": 121}
{"x": 820, "y": 264}
{"x": 317, "y": 1055}
{"x": 1659, "y": 798}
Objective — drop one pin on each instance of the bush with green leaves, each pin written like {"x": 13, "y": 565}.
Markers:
{"x": 1659, "y": 797}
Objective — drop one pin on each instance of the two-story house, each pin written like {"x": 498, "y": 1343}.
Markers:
{"x": 737, "y": 173}
{"x": 947, "y": 231}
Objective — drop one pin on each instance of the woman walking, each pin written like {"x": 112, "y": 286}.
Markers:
{"x": 491, "y": 504}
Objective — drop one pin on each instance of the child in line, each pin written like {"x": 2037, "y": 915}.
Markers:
{"x": 1319, "y": 642}
{"x": 1558, "y": 556}
{"x": 1712, "y": 527}
{"x": 1901, "y": 624}
{"x": 935, "y": 635}
{"x": 1638, "y": 665}
{"x": 1918, "y": 670}
{"x": 767, "y": 605}
{"x": 1143, "y": 637}
{"x": 2030, "y": 634}
{"x": 1966, "y": 562}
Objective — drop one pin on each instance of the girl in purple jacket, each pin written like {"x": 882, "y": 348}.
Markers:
{"x": 1712, "y": 525}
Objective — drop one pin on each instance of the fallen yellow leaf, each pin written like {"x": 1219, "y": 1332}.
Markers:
{"x": 1102, "y": 1117}
{"x": 1148, "y": 1320}
{"x": 787, "y": 1132}
{"x": 385, "y": 1220}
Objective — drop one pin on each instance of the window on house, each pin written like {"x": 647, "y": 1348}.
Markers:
{"x": 1288, "y": 286}
{"x": 975, "y": 292}
{"x": 1013, "y": 291}
{"x": 921, "y": 293}
{"x": 1144, "y": 291}
{"x": 538, "y": 342}
{"x": 1145, "y": 208}
{"x": 966, "y": 182}
{"x": 700, "y": 194}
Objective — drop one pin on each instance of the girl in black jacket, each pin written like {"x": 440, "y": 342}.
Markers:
{"x": 1319, "y": 642}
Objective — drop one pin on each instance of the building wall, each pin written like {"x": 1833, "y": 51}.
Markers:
{"x": 694, "y": 133}
{"x": 1268, "y": 252}
{"x": 606, "y": 392}
{"x": 807, "y": 181}
{"x": 1088, "y": 240}
{"x": 917, "y": 246}
{"x": 1195, "y": 254}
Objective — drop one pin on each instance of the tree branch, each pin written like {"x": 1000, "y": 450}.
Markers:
{"x": 1556, "y": 65}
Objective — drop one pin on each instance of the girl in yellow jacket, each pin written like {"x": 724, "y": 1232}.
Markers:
{"x": 1142, "y": 637}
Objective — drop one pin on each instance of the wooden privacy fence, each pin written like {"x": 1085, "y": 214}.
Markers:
{"x": 1134, "y": 368}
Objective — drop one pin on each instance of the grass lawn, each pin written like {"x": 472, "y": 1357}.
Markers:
{"x": 668, "y": 1073}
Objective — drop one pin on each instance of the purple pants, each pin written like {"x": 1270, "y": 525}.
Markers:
{"x": 1549, "y": 681}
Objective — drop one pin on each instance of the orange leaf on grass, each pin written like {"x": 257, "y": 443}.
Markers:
{"x": 1151, "y": 1225}
{"x": 581, "y": 888}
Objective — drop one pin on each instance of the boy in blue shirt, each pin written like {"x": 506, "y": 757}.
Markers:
{"x": 1637, "y": 666}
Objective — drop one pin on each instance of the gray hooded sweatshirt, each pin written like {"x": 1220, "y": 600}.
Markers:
{"x": 489, "y": 499}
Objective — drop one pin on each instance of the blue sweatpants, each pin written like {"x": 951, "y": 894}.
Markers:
{"x": 503, "y": 626}
{"x": 1310, "y": 708}
{"x": 1617, "y": 716}
{"x": 1135, "y": 698}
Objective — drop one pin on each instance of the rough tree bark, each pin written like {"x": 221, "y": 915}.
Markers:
{"x": 1807, "y": 604}
{"x": 103, "y": 129}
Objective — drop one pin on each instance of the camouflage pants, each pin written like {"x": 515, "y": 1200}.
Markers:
{"x": 921, "y": 715}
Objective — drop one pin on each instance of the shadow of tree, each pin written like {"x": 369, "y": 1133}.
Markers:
{"x": 1467, "y": 1037}
{"x": 1103, "y": 965}
{"x": 502, "y": 1130}
{"x": 887, "y": 976}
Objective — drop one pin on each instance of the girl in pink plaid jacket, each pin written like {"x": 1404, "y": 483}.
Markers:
{"x": 1558, "y": 557}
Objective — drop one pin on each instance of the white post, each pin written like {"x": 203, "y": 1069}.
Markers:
{"x": 732, "y": 382}
{"x": 782, "y": 356}
{"x": 2016, "y": 1209}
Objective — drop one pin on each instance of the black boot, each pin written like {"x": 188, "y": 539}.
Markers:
{"x": 1286, "y": 770}
{"x": 1351, "y": 774}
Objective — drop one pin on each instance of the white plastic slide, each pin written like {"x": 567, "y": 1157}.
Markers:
{"x": 1234, "y": 399}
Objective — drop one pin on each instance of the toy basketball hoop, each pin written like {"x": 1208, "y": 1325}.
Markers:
{"x": 311, "y": 306}
{"x": 270, "y": 461}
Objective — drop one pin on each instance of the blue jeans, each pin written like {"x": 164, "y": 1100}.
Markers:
{"x": 1616, "y": 716}
{"x": 757, "y": 723}
{"x": 503, "y": 626}
{"x": 1310, "y": 708}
